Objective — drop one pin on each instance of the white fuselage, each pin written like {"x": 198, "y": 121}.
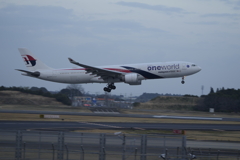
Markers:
{"x": 144, "y": 71}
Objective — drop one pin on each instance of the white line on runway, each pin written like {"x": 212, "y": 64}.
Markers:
{"x": 138, "y": 128}
{"x": 197, "y": 118}
{"x": 106, "y": 112}
{"x": 103, "y": 125}
{"x": 218, "y": 130}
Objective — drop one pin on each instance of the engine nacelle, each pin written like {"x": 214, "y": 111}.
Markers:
{"x": 132, "y": 79}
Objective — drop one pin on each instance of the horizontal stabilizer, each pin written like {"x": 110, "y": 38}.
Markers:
{"x": 33, "y": 74}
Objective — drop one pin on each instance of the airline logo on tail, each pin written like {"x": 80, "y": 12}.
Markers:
{"x": 30, "y": 61}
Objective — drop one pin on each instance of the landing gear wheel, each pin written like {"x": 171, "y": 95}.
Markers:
{"x": 112, "y": 86}
{"x": 107, "y": 89}
{"x": 183, "y": 80}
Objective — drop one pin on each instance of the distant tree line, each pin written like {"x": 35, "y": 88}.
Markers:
{"x": 63, "y": 98}
{"x": 150, "y": 96}
{"x": 223, "y": 100}
{"x": 189, "y": 95}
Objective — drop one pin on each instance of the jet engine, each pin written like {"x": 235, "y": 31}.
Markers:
{"x": 132, "y": 79}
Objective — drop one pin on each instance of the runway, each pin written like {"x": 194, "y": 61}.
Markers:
{"x": 71, "y": 126}
{"x": 121, "y": 115}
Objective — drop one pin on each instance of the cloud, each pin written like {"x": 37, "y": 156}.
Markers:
{"x": 50, "y": 18}
{"x": 235, "y": 4}
{"x": 204, "y": 23}
{"x": 35, "y": 26}
{"x": 152, "y": 7}
{"x": 33, "y": 22}
{"x": 60, "y": 26}
{"x": 222, "y": 15}
{"x": 34, "y": 15}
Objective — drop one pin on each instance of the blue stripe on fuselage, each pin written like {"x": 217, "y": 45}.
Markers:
{"x": 145, "y": 74}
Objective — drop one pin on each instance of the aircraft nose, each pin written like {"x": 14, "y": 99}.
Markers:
{"x": 199, "y": 69}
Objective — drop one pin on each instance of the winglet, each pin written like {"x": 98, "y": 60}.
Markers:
{"x": 71, "y": 60}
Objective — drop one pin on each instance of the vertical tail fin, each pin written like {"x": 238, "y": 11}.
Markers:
{"x": 31, "y": 62}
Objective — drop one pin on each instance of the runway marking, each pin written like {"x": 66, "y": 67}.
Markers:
{"x": 138, "y": 128}
{"x": 197, "y": 118}
{"x": 54, "y": 129}
{"x": 218, "y": 130}
{"x": 109, "y": 125}
{"x": 100, "y": 125}
{"x": 106, "y": 112}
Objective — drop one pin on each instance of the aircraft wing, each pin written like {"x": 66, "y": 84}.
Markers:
{"x": 103, "y": 73}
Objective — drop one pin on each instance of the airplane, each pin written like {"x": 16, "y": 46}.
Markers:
{"x": 132, "y": 74}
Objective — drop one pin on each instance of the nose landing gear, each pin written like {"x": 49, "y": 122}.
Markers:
{"x": 182, "y": 80}
{"x": 109, "y": 87}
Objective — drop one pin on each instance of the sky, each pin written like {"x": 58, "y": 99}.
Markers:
{"x": 109, "y": 32}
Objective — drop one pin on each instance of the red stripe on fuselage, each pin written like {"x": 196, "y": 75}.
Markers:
{"x": 111, "y": 69}
{"x": 119, "y": 70}
{"x": 74, "y": 69}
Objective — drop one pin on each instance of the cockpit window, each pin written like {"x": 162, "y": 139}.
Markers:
{"x": 193, "y": 65}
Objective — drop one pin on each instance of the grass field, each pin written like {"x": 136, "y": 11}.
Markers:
{"x": 61, "y": 108}
{"x": 165, "y": 112}
{"x": 19, "y": 98}
{"x": 173, "y": 103}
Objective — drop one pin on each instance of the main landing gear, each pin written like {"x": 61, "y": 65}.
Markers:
{"x": 183, "y": 80}
{"x": 109, "y": 87}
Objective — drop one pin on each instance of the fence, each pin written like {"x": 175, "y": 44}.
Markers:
{"x": 69, "y": 145}
{"x": 32, "y": 145}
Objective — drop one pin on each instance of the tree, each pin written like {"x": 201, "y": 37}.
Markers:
{"x": 63, "y": 98}
{"x": 136, "y": 104}
{"x": 76, "y": 87}
{"x": 73, "y": 90}
{"x": 225, "y": 100}
{"x": 211, "y": 91}
{"x": 2, "y": 88}
{"x": 40, "y": 91}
